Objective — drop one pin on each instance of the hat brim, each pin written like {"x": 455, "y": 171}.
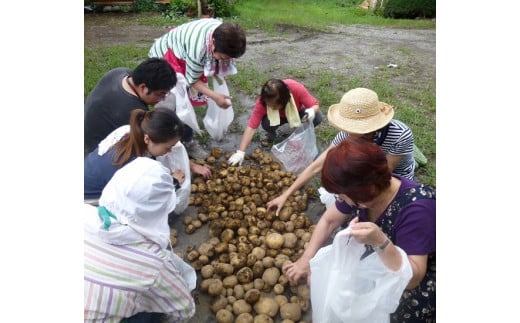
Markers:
{"x": 360, "y": 126}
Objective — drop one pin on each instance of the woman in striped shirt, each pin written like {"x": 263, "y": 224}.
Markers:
{"x": 129, "y": 274}
{"x": 361, "y": 114}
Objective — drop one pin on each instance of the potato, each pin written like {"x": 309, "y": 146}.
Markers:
{"x": 207, "y": 271}
{"x": 224, "y": 316}
{"x": 304, "y": 291}
{"x": 221, "y": 247}
{"x": 278, "y": 289}
{"x": 238, "y": 291}
{"x": 268, "y": 262}
{"x": 271, "y": 276}
{"x": 281, "y": 299}
{"x": 263, "y": 318}
{"x": 290, "y": 311}
{"x": 252, "y": 296}
{"x": 223, "y": 269}
{"x": 187, "y": 220}
{"x": 267, "y": 306}
{"x": 244, "y": 318}
{"x": 289, "y": 240}
{"x": 245, "y": 275}
{"x": 241, "y": 306}
{"x": 231, "y": 299}
{"x": 258, "y": 283}
{"x": 274, "y": 240}
{"x": 215, "y": 287}
{"x": 230, "y": 281}
{"x": 218, "y": 303}
{"x": 258, "y": 269}
{"x": 205, "y": 283}
{"x": 258, "y": 252}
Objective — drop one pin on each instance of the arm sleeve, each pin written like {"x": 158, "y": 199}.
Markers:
{"x": 415, "y": 227}
{"x": 302, "y": 97}
{"x": 259, "y": 112}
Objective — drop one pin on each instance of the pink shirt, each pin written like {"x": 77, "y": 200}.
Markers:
{"x": 302, "y": 98}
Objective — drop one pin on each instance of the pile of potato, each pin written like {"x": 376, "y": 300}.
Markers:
{"x": 241, "y": 262}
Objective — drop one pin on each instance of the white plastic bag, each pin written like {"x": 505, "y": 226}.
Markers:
{"x": 178, "y": 158}
{"x": 187, "y": 272}
{"x": 217, "y": 120}
{"x": 326, "y": 198}
{"x": 169, "y": 102}
{"x": 345, "y": 288}
{"x": 184, "y": 108}
{"x": 298, "y": 150}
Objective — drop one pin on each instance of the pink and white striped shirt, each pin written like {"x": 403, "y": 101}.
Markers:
{"x": 123, "y": 280}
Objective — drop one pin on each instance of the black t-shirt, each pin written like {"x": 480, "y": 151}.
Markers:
{"x": 108, "y": 107}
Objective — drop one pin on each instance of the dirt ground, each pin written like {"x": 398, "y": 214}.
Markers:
{"x": 353, "y": 50}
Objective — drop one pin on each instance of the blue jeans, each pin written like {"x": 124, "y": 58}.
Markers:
{"x": 144, "y": 317}
{"x": 187, "y": 134}
{"x": 271, "y": 130}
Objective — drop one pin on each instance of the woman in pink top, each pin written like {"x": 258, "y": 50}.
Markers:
{"x": 280, "y": 102}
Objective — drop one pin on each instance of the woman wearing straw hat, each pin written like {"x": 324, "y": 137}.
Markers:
{"x": 361, "y": 114}
{"x": 129, "y": 273}
{"x": 383, "y": 210}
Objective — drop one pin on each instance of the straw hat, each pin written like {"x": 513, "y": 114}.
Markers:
{"x": 360, "y": 112}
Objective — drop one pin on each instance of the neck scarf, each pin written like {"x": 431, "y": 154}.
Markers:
{"x": 291, "y": 112}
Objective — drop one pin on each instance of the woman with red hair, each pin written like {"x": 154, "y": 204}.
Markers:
{"x": 384, "y": 210}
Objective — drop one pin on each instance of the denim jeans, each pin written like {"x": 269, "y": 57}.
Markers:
{"x": 271, "y": 130}
{"x": 144, "y": 317}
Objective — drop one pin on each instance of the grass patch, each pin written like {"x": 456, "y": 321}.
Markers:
{"x": 268, "y": 14}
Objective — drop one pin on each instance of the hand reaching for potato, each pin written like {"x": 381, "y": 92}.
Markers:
{"x": 296, "y": 271}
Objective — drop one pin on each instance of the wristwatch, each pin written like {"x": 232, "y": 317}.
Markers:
{"x": 381, "y": 247}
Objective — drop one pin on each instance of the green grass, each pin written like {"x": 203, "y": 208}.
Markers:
{"x": 415, "y": 105}
{"x": 319, "y": 14}
{"x": 100, "y": 60}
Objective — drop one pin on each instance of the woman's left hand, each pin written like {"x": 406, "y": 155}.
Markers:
{"x": 367, "y": 232}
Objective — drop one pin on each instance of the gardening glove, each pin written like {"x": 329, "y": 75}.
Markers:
{"x": 236, "y": 158}
{"x": 309, "y": 115}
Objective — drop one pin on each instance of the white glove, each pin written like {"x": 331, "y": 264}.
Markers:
{"x": 309, "y": 115}
{"x": 237, "y": 158}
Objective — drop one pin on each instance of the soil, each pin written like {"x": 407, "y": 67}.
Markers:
{"x": 353, "y": 50}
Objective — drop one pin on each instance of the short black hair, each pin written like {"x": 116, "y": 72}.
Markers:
{"x": 155, "y": 73}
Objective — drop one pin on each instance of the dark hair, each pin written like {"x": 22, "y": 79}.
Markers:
{"x": 275, "y": 90}
{"x": 155, "y": 73}
{"x": 357, "y": 168}
{"x": 230, "y": 39}
{"x": 160, "y": 124}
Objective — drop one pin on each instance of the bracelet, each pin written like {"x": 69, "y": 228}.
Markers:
{"x": 382, "y": 247}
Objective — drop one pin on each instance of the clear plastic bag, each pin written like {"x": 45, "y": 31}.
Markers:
{"x": 345, "y": 288}
{"x": 217, "y": 120}
{"x": 298, "y": 150}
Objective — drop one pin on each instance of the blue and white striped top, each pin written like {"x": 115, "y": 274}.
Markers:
{"x": 398, "y": 141}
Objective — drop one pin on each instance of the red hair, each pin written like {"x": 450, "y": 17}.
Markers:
{"x": 357, "y": 168}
